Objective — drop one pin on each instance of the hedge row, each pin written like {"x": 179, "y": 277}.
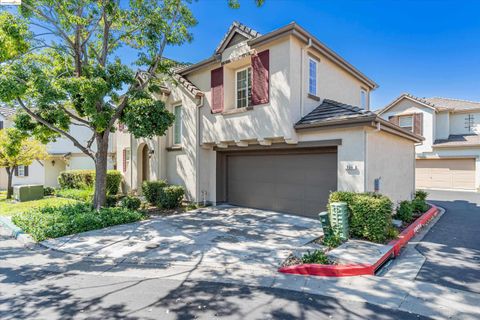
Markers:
{"x": 85, "y": 179}
{"x": 160, "y": 194}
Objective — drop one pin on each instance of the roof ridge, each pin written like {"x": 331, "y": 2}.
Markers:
{"x": 454, "y": 99}
{"x": 348, "y": 106}
{"x": 242, "y": 27}
{"x": 419, "y": 99}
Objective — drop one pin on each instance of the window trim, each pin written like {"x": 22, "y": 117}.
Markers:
{"x": 174, "y": 127}
{"x": 311, "y": 59}
{"x": 410, "y": 128}
{"x": 363, "y": 93}
{"x": 246, "y": 68}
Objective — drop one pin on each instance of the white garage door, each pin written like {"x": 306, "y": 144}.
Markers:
{"x": 445, "y": 173}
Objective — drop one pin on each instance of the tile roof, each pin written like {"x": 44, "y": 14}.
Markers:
{"x": 330, "y": 110}
{"x": 458, "y": 140}
{"x": 7, "y": 111}
{"x": 248, "y": 32}
{"x": 453, "y": 104}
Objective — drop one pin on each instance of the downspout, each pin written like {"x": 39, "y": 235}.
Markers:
{"x": 302, "y": 80}
{"x": 197, "y": 153}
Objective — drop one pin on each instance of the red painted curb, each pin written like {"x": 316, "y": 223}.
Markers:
{"x": 330, "y": 270}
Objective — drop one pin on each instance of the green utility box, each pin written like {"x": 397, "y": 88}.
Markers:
{"x": 339, "y": 219}
{"x": 325, "y": 223}
{"x": 28, "y": 192}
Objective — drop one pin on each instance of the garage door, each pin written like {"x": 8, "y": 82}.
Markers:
{"x": 446, "y": 173}
{"x": 297, "y": 183}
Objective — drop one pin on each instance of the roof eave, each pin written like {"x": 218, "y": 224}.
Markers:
{"x": 329, "y": 123}
{"x": 398, "y": 130}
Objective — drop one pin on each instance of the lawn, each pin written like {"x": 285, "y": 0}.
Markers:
{"x": 9, "y": 207}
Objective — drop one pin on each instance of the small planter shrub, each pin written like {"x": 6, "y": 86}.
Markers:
{"x": 332, "y": 240}
{"x": 85, "y": 179}
{"x": 419, "y": 206}
{"x": 392, "y": 233}
{"x": 85, "y": 195}
{"x": 171, "y": 197}
{"x": 405, "y": 211}
{"x": 54, "y": 222}
{"x": 422, "y": 195}
{"x": 131, "y": 203}
{"x": 316, "y": 256}
{"x": 152, "y": 190}
{"x": 48, "y": 191}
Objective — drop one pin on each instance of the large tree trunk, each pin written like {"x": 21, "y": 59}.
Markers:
{"x": 9, "y": 182}
{"x": 101, "y": 161}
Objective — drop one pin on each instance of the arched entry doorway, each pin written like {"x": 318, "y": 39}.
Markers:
{"x": 143, "y": 165}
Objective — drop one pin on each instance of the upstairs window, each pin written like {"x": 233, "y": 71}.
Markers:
{"x": 177, "y": 126}
{"x": 406, "y": 122}
{"x": 243, "y": 85}
{"x": 312, "y": 76}
{"x": 363, "y": 99}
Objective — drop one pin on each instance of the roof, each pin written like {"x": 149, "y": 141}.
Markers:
{"x": 330, "y": 110}
{"x": 7, "y": 112}
{"x": 436, "y": 103}
{"x": 291, "y": 29}
{"x": 458, "y": 140}
{"x": 333, "y": 113}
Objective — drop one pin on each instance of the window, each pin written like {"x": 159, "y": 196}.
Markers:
{"x": 22, "y": 171}
{"x": 406, "y": 122}
{"x": 363, "y": 99}
{"x": 177, "y": 125}
{"x": 312, "y": 77}
{"x": 243, "y": 85}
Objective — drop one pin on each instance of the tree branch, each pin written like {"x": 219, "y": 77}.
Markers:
{"x": 74, "y": 116}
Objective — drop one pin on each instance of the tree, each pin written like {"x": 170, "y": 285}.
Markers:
{"x": 59, "y": 65}
{"x": 16, "y": 149}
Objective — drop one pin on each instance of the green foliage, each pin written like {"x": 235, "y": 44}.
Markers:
{"x": 370, "y": 214}
{"x": 317, "y": 256}
{"x": 48, "y": 191}
{"x": 332, "y": 240}
{"x": 419, "y": 206}
{"x": 152, "y": 190}
{"x": 54, "y": 222}
{"x": 171, "y": 197}
{"x": 405, "y": 211}
{"x": 130, "y": 202}
{"x": 392, "y": 233}
{"x": 85, "y": 195}
{"x": 111, "y": 201}
{"x": 14, "y": 36}
{"x": 421, "y": 195}
{"x": 84, "y": 179}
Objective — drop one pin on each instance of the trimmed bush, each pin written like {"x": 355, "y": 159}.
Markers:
{"x": 48, "y": 191}
{"x": 54, "y": 222}
{"x": 85, "y": 179}
{"x": 85, "y": 195}
{"x": 419, "y": 206}
{"x": 152, "y": 190}
{"x": 130, "y": 202}
{"x": 111, "y": 201}
{"x": 171, "y": 197}
{"x": 421, "y": 195}
{"x": 405, "y": 211}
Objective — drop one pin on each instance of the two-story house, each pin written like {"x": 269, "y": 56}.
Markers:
{"x": 449, "y": 157}
{"x": 63, "y": 155}
{"x": 274, "y": 121}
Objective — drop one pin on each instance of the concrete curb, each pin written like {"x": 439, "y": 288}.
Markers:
{"x": 365, "y": 269}
{"x": 16, "y": 232}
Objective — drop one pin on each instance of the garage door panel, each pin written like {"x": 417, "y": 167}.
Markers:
{"x": 292, "y": 183}
{"x": 445, "y": 173}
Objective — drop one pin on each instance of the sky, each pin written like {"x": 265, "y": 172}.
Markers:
{"x": 426, "y": 48}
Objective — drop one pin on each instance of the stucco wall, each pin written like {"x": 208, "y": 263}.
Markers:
{"x": 458, "y": 123}
{"x": 407, "y": 106}
{"x": 392, "y": 160}
{"x": 53, "y": 171}
{"x": 442, "y": 125}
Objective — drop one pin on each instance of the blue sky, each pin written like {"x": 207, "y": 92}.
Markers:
{"x": 427, "y": 48}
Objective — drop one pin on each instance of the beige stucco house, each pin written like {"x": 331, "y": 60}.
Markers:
{"x": 273, "y": 121}
{"x": 62, "y": 156}
{"x": 449, "y": 157}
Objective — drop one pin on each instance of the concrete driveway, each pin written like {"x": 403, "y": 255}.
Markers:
{"x": 222, "y": 236}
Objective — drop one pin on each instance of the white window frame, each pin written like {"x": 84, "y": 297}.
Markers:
{"x": 410, "y": 127}
{"x": 314, "y": 78}
{"x": 249, "y": 72}
{"x": 22, "y": 172}
{"x": 175, "y": 124}
{"x": 363, "y": 98}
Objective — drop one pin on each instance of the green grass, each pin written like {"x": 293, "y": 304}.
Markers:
{"x": 9, "y": 207}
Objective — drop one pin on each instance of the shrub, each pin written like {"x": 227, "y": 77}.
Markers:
{"x": 171, "y": 197}
{"x": 405, "y": 211}
{"x": 419, "y": 206}
{"x": 85, "y": 195}
{"x": 421, "y": 195}
{"x": 53, "y": 222}
{"x": 130, "y": 202}
{"x": 392, "y": 233}
{"x": 85, "y": 179}
{"x": 317, "y": 256}
{"x": 152, "y": 190}
{"x": 111, "y": 201}
{"x": 332, "y": 240}
{"x": 48, "y": 191}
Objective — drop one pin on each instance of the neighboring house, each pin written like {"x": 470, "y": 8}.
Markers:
{"x": 449, "y": 157}
{"x": 274, "y": 121}
{"x": 63, "y": 155}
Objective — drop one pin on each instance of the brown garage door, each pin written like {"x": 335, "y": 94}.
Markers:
{"x": 445, "y": 173}
{"x": 297, "y": 183}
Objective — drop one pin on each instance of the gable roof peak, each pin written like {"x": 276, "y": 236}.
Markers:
{"x": 236, "y": 27}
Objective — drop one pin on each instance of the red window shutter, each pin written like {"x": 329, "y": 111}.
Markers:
{"x": 124, "y": 160}
{"x": 394, "y": 120}
{"x": 418, "y": 123}
{"x": 260, "y": 77}
{"x": 216, "y": 82}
